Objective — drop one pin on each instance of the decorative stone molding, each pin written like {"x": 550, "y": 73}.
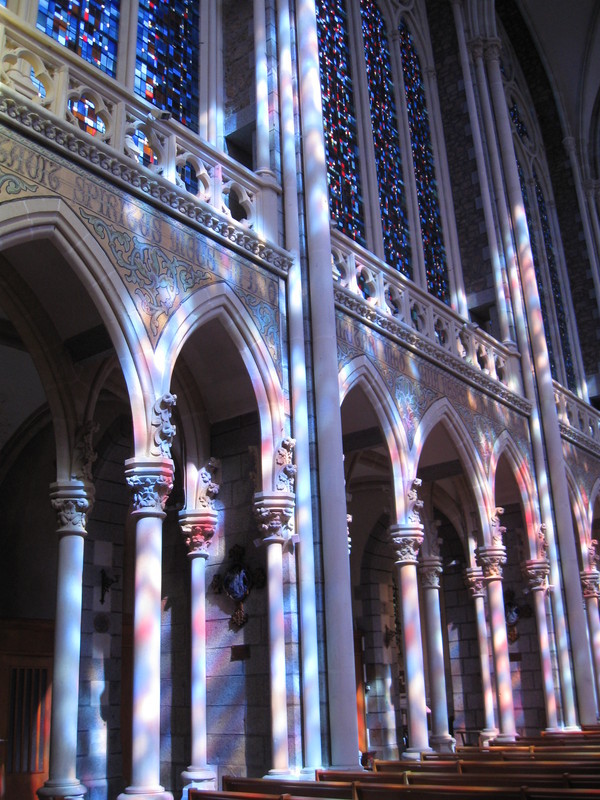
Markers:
{"x": 161, "y": 421}
{"x": 84, "y": 454}
{"x": 542, "y": 544}
{"x": 151, "y": 483}
{"x": 497, "y": 530}
{"x": 430, "y": 570}
{"x": 407, "y": 541}
{"x": 285, "y": 468}
{"x": 491, "y": 560}
{"x": 413, "y": 503}
{"x": 593, "y": 556}
{"x": 72, "y": 503}
{"x": 475, "y": 581}
{"x": 590, "y": 583}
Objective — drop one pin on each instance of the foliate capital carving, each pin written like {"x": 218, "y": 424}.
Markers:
{"x": 492, "y": 49}
{"x": 475, "y": 581}
{"x": 593, "y": 556}
{"x": 491, "y": 560}
{"x": 535, "y": 572}
{"x": 151, "y": 483}
{"x": 590, "y": 583}
{"x": 72, "y": 503}
{"x": 208, "y": 488}
{"x": 407, "y": 540}
{"x": 161, "y": 421}
{"x": 430, "y": 570}
{"x": 198, "y": 530}
{"x": 274, "y": 515}
{"x": 285, "y": 468}
{"x": 542, "y": 543}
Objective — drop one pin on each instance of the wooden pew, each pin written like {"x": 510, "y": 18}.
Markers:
{"x": 442, "y": 764}
{"x": 525, "y": 767}
{"x": 279, "y": 786}
{"x": 215, "y": 794}
{"x": 435, "y": 791}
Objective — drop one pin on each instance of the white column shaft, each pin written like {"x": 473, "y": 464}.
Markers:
{"x": 484, "y": 663}
{"x": 504, "y": 697}
{"x": 279, "y": 730}
{"x": 591, "y": 605}
{"x": 539, "y": 597}
{"x": 435, "y": 653}
{"x": 198, "y": 666}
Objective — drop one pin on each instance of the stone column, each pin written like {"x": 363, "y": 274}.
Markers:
{"x": 536, "y": 571}
{"x": 407, "y": 539}
{"x": 492, "y": 558}
{"x": 151, "y": 481}
{"x": 72, "y": 501}
{"x": 476, "y": 585}
{"x": 198, "y": 527}
{"x": 430, "y": 569}
{"x": 590, "y": 583}
{"x": 274, "y": 512}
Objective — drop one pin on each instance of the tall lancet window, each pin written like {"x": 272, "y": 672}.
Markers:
{"x": 166, "y": 69}
{"x": 543, "y": 248}
{"x": 423, "y": 162}
{"x": 341, "y": 141}
{"x": 90, "y": 29}
{"x": 388, "y": 157}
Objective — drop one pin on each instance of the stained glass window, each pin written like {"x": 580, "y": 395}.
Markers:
{"x": 166, "y": 70}
{"x": 90, "y": 29}
{"x": 559, "y": 308}
{"x": 341, "y": 143}
{"x": 388, "y": 157}
{"x": 84, "y": 112}
{"x": 423, "y": 161}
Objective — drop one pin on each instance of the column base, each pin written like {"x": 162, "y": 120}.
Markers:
{"x": 486, "y": 736}
{"x": 145, "y": 793}
{"x": 61, "y": 790}
{"x": 442, "y": 743}
{"x": 505, "y": 738}
{"x": 198, "y": 778}
{"x": 414, "y": 754}
{"x": 280, "y": 773}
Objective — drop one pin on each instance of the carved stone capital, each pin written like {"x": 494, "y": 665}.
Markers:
{"x": 475, "y": 581}
{"x": 492, "y": 49}
{"x": 407, "y": 540}
{"x": 151, "y": 483}
{"x": 72, "y": 502}
{"x": 590, "y": 582}
{"x": 164, "y": 428}
{"x": 430, "y": 570}
{"x": 535, "y": 572}
{"x": 491, "y": 560}
{"x": 274, "y": 515}
{"x": 198, "y": 530}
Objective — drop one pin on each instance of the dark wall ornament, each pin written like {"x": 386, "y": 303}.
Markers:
{"x": 237, "y": 583}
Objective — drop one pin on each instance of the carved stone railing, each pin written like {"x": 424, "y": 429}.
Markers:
{"x": 61, "y": 97}
{"x": 579, "y": 422}
{"x": 369, "y": 288}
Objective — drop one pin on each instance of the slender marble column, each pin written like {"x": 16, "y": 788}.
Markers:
{"x": 430, "y": 569}
{"x": 545, "y": 393}
{"x": 407, "y": 540}
{"x": 536, "y": 571}
{"x": 71, "y": 501}
{"x": 491, "y": 559}
{"x": 476, "y": 585}
{"x": 199, "y": 527}
{"x": 151, "y": 481}
{"x": 343, "y": 722}
{"x": 273, "y": 512}
{"x": 590, "y": 583}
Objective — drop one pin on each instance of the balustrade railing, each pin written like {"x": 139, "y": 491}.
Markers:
{"x": 579, "y": 420}
{"x": 388, "y": 294}
{"x": 124, "y": 128}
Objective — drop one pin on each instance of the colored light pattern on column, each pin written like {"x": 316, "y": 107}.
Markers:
{"x": 388, "y": 156}
{"x": 89, "y": 29}
{"x": 538, "y": 276}
{"x": 166, "y": 68}
{"x": 341, "y": 143}
{"x": 423, "y": 161}
{"x": 561, "y": 317}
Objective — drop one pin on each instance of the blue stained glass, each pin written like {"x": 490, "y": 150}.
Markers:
{"x": 561, "y": 317}
{"x": 187, "y": 173}
{"x": 90, "y": 29}
{"x": 429, "y": 211}
{"x": 166, "y": 69}
{"x": 388, "y": 157}
{"x": 538, "y": 276}
{"x": 341, "y": 143}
